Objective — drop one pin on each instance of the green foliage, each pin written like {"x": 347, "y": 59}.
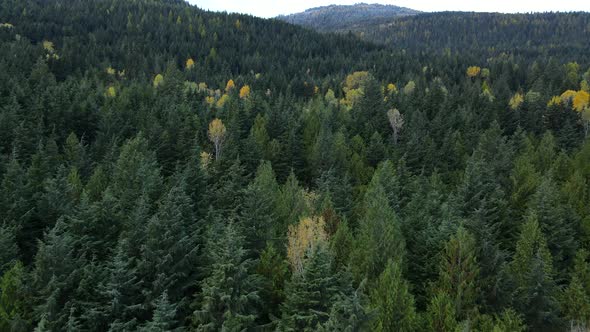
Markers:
{"x": 229, "y": 292}
{"x": 392, "y": 301}
{"x": 122, "y": 219}
{"x": 310, "y": 294}
{"x": 458, "y": 274}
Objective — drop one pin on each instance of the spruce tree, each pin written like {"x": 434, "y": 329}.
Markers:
{"x": 163, "y": 318}
{"x": 259, "y": 217}
{"x": 458, "y": 274}
{"x": 392, "y": 301}
{"x": 229, "y": 294}
{"x": 310, "y": 293}
{"x": 531, "y": 269}
{"x": 379, "y": 237}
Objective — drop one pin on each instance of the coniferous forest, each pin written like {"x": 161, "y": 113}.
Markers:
{"x": 165, "y": 168}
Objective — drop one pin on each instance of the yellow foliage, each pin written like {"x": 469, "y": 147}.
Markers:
{"x": 473, "y": 71}
{"x": 238, "y": 24}
{"x": 354, "y": 87}
{"x": 316, "y": 90}
{"x": 121, "y": 73}
{"x": 230, "y": 85}
{"x": 202, "y": 86}
{"x": 190, "y": 63}
{"x": 516, "y": 101}
{"x": 217, "y": 135}
{"x": 111, "y": 92}
{"x": 555, "y": 101}
{"x": 391, "y": 88}
{"x": 581, "y": 100}
{"x": 356, "y": 80}
{"x": 216, "y": 129}
{"x": 221, "y": 102}
{"x": 48, "y": 46}
{"x": 303, "y": 237}
{"x": 158, "y": 80}
{"x": 111, "y": 71}
{"x": 410, "y": 87}
{"x": 245, "y": 91}
{"x": 257, "y": 76}
{"x": 6, "y": 25}
{"x": 210, "y": 100}
{"x": 205, "y": 159}
{"x": 568, "y": 95}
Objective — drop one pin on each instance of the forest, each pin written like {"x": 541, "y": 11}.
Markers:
{"x": 166, "y": 168}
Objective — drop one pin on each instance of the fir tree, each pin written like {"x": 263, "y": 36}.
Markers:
{"x": 392, "y": 301}
{"x": 229, "y": 293}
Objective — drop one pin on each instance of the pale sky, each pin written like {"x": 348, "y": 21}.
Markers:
{"x": 271, "y": 8}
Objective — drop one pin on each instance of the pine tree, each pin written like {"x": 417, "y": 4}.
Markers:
{"x": 532, "y": 272}
{"x": 163, "y": 319}
{"x": 392, "y": 301}
{"x": 557, "y": 222}
{"x": 260, "y": 206}
{"x": 459, "y": 272}
{"x": 575, "y": 299}
{"x": 8, "y": 248}
{"x": 310, "y": 294}
{"x": 349, "y": 312}
{"x": 229, "y": 293}
{"x": 379, "y": 236}
{"x": 14, "y": 310}
{"x": 441, "y": 313}
{"x": 170, "y": 251}
{"x": 274, "y": 272}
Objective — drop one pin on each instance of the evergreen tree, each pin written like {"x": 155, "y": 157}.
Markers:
{"x": 229, "y": 293}
{"x": 170, "y": 251}
{"x": 557, "y": 222}
{"x": 392, "y": 301}
{"x": 458, "y": 274}
{"x": 14, "y": 310}
{"x": 310, "y": 294}
{"x": 163, "y": 319}
{"x": 260, "y": 206}
{"x": 440, "y": 314}
{"x": 348, "y": 313}
{"x": 532, "y": 272}
{"x": 379, "y": 237}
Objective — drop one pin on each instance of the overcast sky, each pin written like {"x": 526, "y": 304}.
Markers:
{"x": 271, "y": 8}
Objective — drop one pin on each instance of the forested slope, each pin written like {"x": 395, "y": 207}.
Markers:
{"x": 163, "y": 168}
{"x": 345, "y": 17}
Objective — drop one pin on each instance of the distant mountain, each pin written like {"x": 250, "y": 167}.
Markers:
{"x": 339, "y": 18}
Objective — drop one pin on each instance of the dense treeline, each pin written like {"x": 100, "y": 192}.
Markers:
{"x": 164, "y": 169}
{"x": 562, "y": 35}
{"x": 343, "y": 17}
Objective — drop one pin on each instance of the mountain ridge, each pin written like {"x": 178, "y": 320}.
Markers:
{"x": 338, "y": 17}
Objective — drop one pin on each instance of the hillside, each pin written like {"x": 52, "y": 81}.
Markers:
{"x": 165, "y": 168}
{"x": 342, "y": 18}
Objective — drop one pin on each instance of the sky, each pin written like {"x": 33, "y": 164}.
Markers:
{"x": 271, "y": 8}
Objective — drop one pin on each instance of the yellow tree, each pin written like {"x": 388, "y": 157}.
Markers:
{"x": 217, "y": 134}
{"x": 158, "y": 80}
{"x": 516, "y": 101}
{"x": 581, "y": 100}
{"x": 190, "y": 63}
{"x": 230, "y": 85}
{"x": 245, "y": 91}
{"x": 303, "y": 238}
{"x": 473, "y": 71}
